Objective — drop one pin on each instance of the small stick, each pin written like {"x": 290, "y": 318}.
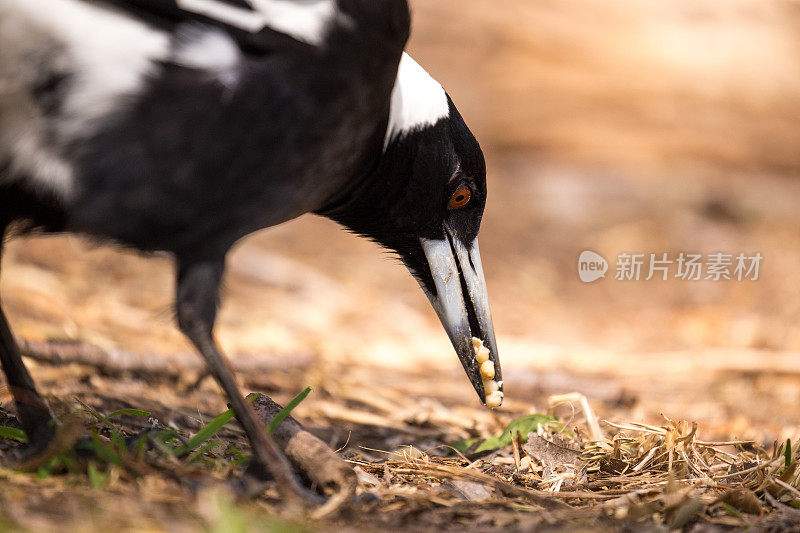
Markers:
{"x": 115, "y": 362}
{"x": 329, "y": 471}
{"x": 787, "y": 487}
{"x": 749, "y": 470}
{"x": 515, "y": 448}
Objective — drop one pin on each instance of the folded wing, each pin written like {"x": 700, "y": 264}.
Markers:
{"x": 258, "y": 26}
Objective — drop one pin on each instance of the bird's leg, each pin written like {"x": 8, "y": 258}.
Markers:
{"x": 197, "y": 301}
{"x": 33, "y": 412}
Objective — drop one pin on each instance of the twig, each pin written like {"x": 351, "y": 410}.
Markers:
{"x": 787, "y": 510}
{"x": 749, "y": 470}
{"x": 115, "y": 362}
{"x": 787, "y": 487}
{"x": 546, "y": 499}
{"x": 636, "y": 426}
{"x": 592, "y": 422}
{"x": 332, "y": 473}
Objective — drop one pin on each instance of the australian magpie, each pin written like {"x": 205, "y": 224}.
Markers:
{"x": 182, "y": 126}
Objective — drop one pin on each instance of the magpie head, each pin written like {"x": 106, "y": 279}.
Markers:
{"x": 425, "y": 200}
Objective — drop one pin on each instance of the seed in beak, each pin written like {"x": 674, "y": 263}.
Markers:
{"x": 494, "y": 399}
{"x": 487, "y": 370}
{"x": 481, "y": 351}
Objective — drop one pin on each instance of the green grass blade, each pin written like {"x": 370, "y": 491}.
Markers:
{"x": 732, "y": 510}
{"x": 91, "y": 410}
{"x": 206, "y": 432}
{"x": 118, "y": 443}
{"x": 139, "y": 447}
{"x": 281, "y": 416}
{"x": 202, "y": 449}
{"x": 13, "y": 434}
{"x": 239, "y": 457}
{"x": 788, "y": 453}
{"x": 464, "y": 445}
{"x": 524, "y": 425}
{"x": 131, "y": 412}
{"x": 97, "y": 479}
{"x": 211, "y": 429}
{"x": 105, "y": 452}
{"x": 48, "y": 468}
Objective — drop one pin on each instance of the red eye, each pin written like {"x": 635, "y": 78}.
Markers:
{"x": 460, "y": 198}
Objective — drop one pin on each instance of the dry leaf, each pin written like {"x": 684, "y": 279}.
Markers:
{"x": 561, "y": 465}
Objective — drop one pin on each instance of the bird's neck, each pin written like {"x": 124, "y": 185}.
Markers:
{"x": 355, "y": 190}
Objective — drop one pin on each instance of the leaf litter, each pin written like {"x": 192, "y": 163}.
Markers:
{"x": 626, "y": 473}
{"x": 423, "y": 466}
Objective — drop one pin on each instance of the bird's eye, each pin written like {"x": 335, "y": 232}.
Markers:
{"x": 460, "y": 198}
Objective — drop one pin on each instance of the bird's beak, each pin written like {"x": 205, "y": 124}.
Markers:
{"x": 462, "y": 303}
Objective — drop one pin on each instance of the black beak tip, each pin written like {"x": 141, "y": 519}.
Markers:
{"x": 474, "y": 374}
{"x": 479, "y": 389}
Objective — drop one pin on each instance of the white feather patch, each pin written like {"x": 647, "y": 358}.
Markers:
{"x": 109, "y": 53}
{"x": 304, "y": 20}
{"x": 417, "y": 100}
{"x": 209, "y": 49}
{"x": 106, "y": 56}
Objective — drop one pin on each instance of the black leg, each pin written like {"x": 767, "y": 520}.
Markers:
{"x": 197, "y": 300}
{"x": 33, "y": 412}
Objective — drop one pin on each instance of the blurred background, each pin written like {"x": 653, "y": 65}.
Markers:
{"x": 627, "y": 126}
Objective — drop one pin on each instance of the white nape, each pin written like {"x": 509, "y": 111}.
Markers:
{"x": 304, "y": 20}
{"x": 418, "y": 100}
{"x": 210, "y": 49}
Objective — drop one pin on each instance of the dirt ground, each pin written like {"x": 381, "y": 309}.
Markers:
{"x": 629, "y": 126}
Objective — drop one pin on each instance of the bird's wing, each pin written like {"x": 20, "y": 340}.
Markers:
{"x": 258, "y": 26}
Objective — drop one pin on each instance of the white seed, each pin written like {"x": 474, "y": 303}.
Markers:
{"x": 490, "y": 387}
{"x": 481, "y": 352}
{"x": 494, "y": 400}
{"x": 483, "y": 355}
{"x": 477, "y": 344}
{"x": 487, "y": 370}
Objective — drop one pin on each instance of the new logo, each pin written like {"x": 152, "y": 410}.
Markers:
{"x": 591, "y": 266}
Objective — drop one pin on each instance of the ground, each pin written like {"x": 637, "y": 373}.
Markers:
{"x": 616, "y": 128}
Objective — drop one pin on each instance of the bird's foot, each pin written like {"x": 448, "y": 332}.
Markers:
{"x": 253, "y": 482}
{"x": 24, "y": 453}
{"x": 257, "y": 478}
{"x": 45, "y": 441}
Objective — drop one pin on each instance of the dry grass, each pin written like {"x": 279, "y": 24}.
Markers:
{"x": 572, "y": 470}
